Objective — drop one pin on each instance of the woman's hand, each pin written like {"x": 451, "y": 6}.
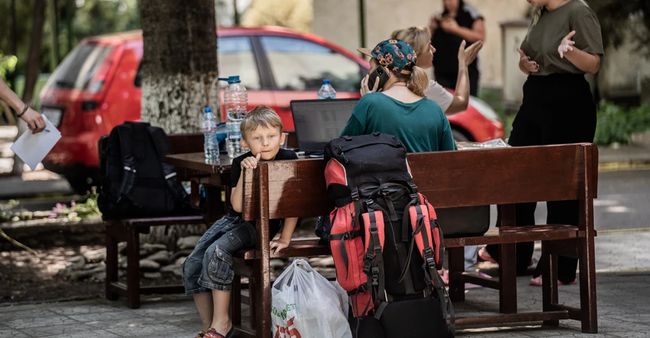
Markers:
{"x": 364, "y": 85}
{"x": 449, "y": 24}
{"x": 250, "y": 162}
{"x": 467, "y": 55}
{"x": 566, "y": 45}
{"x": 279, "y": 245}
{"x": 527, "y": 65}
{"x": 34, "y": 120}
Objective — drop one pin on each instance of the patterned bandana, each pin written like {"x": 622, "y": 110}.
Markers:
{"x": 395, "y": 55}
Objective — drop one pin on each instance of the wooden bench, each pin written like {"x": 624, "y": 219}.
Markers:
{"x": 129, "y": 229}
{"x": 449, "y": 179}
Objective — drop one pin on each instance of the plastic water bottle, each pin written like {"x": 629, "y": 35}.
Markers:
{"x": 210, "y": 143}
{"x": 235, "y": 101}
{"x": 326, "y": 91}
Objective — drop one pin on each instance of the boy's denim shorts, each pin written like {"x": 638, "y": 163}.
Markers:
{"x": 209, "y": 266}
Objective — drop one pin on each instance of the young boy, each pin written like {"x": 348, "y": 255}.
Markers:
{"x": 207, "y": 271}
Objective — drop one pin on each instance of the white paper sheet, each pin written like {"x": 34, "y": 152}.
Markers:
{"x": 32, "y": 148}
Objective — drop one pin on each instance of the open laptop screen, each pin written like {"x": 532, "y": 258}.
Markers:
{"x": 318, "y": 121}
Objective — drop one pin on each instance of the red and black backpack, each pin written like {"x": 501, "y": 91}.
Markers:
{"x": 384, "y": 236}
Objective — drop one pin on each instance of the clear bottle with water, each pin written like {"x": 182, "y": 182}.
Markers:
{"x": 210, "y": 142}
{"x": 326, "y": 90}
{"x": 235, "y": 100}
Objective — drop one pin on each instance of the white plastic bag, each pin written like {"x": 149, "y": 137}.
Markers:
{"x": 305, "y": 304}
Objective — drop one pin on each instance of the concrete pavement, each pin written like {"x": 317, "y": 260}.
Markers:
{"x": 623, "y": 280}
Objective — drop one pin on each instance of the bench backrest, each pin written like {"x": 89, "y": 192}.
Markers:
{"x": 448, "y": 179}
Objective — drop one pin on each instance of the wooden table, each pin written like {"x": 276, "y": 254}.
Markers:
{"x": 215, "y": 178}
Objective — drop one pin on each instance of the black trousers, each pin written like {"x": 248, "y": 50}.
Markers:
{"x": 556, "y": 109}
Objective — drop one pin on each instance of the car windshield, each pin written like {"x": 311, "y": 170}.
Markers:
{"x": 79, "y": 67}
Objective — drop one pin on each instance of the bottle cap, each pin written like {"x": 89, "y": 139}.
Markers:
{"x": 230, "y": 79}
{"x": 207, "y": 109}
{"x": 326, "y": 81}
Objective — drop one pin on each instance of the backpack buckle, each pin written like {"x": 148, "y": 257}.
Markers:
{"x": 429, "y": 257}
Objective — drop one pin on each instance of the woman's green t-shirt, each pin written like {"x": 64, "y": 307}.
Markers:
{"x": 421, "y": 125}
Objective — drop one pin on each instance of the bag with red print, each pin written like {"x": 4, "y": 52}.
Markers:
{"x": 304, "y": 304}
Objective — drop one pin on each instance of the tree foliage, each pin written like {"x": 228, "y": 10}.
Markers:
{"x": 77, "y": 19}
{"x": 620, "y": 19}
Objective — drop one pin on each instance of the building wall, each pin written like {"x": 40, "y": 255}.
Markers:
{"x": 338, "y": 21}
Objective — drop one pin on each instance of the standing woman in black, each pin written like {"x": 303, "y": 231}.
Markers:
{"x": 563, "y": 43}
{"x": 458, "y": 21}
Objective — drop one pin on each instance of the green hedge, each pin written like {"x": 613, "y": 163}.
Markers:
{"x": 617, "y": 124}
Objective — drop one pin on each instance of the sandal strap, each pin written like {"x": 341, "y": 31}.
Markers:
{"x": 212, "y": 333}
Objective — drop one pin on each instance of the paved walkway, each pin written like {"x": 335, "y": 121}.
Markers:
{"x": 623, "y": 279}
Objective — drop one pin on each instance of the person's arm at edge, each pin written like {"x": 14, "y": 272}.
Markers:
{"x": 33, "y": 118}
{"x": 8, "y": 96}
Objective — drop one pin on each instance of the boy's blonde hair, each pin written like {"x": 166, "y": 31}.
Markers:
{"x": 260, "y": 116}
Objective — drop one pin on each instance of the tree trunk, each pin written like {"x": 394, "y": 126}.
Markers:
{"x": 33, "y": 70}
{"x": 179, "y": 65}
{"x": 34, "y": 53}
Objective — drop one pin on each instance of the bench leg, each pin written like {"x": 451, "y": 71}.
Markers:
{"x": 111, "y": 266}
{"x": 508, "y": 278}
{"x": 456, "y": 268}
{"x": 262, "y": 306}
{"x": 588, "y": 306}
{"x": 133, "y": 269}
{"x": 549, "y": 281}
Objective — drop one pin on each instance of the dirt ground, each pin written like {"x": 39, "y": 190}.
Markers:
{"x": 28, "y": 278}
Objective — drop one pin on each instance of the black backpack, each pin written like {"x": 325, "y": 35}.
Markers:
{"x": 385, "y": 239}
{"x": 135, "y": 181}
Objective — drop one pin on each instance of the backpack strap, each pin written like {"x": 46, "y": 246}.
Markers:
{"x": 373, "y": 261}
{"x": 125, "y": 135}
{"x": 429, "y": 238}
{"x": 161, "y": 145}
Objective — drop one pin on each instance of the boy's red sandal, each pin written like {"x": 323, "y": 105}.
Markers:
{"x": 212, "y": 333}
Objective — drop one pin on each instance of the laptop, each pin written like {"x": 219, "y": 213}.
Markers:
{"x": 318, "y": 121}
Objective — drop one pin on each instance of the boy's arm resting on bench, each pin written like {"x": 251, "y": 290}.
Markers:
{"x": 285, "y": 236}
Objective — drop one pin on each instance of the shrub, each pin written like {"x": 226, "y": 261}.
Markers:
{"x": 617, "y": 124}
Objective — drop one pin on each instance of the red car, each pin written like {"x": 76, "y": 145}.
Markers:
{"x": 96, "y": 87}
